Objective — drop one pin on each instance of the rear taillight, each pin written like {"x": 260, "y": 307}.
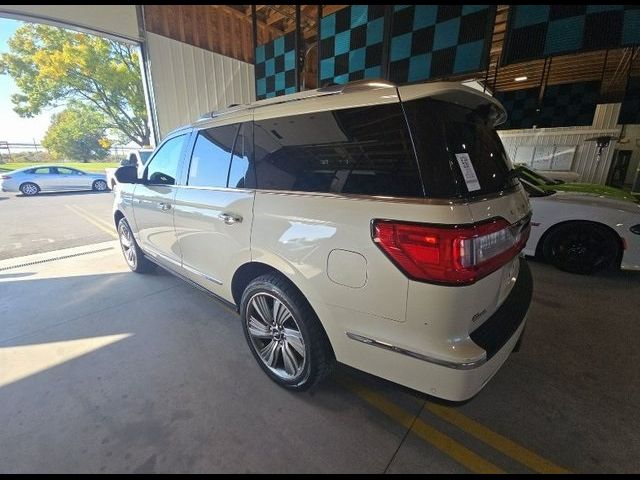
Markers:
{"x": 451, "y": 255}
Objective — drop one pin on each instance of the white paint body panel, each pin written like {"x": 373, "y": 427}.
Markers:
{"x": 569, "y": 206}
{"x": 296, "y": 233}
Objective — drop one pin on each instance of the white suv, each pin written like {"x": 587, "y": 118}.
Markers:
{"x": 374, "y": 225}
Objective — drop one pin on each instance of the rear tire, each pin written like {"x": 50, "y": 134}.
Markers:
{"x": 581, "y": 247}
{"x": 29, "y": 189}
{"x": 99, "y": 186}
{"x": 284, "y": 333}
{"x": 134, "y": 257}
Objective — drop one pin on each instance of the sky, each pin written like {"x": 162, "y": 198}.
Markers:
{"x": 13, "y": 128}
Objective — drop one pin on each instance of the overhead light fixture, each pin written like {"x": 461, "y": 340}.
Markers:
{"x": 521, "y": 79}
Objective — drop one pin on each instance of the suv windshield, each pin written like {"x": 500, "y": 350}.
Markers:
{"x": 459, "y": 151}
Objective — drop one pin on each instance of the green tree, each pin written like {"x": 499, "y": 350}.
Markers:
{"x": 77, "y": 133}
{"x": 52, "y": 66}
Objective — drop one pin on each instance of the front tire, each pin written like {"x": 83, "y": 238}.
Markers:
{"x": 284, "y": 333}
{"x": 99, "y": 186}
{"x": 134, "y": 257}
{"x": 581, "y": 247}
{"x": 29, "y": 189}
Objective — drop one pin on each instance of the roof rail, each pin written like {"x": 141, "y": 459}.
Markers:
{"x": 231, "y": 108}
{"x": 356, "y": 86}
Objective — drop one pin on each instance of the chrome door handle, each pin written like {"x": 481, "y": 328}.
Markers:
{"x": 229, "y": 218}
{"x": 164, "y": 206}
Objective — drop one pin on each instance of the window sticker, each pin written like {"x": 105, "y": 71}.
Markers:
{"x": 469, "y": 174}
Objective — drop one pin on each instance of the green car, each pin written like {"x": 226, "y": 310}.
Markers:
{"x": 547, "y": 183}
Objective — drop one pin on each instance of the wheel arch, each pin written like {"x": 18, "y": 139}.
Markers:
{"x": 249, "y": 271}
{"x": 32, "y": 183}
{"x": 117, "y": 216}
{"x": 555, "y": 226}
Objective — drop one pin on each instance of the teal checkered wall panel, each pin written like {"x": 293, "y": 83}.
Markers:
{"x": 435, "y": 41}
{"x": 351, "y": 44}
{"x": 537, "y": 31}
{"x": 276, "y": 67}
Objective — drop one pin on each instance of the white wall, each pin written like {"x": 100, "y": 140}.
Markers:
{"x": 188, "y": 81}
{"x": 119, "y": 20}
{"x": 585, "y": 162}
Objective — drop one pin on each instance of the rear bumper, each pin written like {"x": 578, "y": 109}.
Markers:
{"x": 497, "y": 336}
{"x": 495, "y": 332}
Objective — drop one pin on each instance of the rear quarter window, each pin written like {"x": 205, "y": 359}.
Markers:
{"x": 362, "y": 151}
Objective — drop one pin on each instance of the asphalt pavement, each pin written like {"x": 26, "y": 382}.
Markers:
{"x": 52, "y": 221}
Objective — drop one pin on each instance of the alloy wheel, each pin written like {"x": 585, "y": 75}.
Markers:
{"x": 29, "y": 189}
{"x": 276, "y": 336}
{"x": 128, "y": 246}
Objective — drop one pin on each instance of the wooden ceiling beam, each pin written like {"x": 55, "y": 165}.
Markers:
{"x": 329, "y": 9}
{"x": 240, "y": 15}
{"x": 275, "y": 16}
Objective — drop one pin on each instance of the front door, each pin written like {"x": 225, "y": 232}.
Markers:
{"x": 71, "y": 179}
{"x": 154, "y": 201}
{"x": 213, "y": 212}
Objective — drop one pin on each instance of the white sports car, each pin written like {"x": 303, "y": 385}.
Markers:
{"x": 583, "y": 232}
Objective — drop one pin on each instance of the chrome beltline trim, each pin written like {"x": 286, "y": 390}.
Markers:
{"x": 415, "y": 200}
{"x": 353, "y": 196}
{"x": 419, "y": 356}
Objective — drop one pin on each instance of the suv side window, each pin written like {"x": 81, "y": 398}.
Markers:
{"x": 239, "y": 176}
{"x": 364, "y": 150}
{"x": 163, "y": 168}
{"x": 211, "y": 157}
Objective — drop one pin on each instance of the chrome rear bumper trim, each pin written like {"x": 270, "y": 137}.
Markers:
{"x": 419, "y": 356}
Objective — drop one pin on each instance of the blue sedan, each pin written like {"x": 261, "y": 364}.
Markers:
{"x": 51, "y": 178}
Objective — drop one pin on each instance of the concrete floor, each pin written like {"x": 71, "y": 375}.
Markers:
{"x": 102, "y": 370}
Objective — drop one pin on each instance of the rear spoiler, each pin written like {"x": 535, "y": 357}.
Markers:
{"x": 455, "y": 93}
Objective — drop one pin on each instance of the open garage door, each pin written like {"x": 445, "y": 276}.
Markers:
{"x": 111, "y": 20}
{"x": 181, "y": 81}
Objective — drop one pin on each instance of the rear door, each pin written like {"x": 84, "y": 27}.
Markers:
{"x": 214, "y": 209}
{"x": 154, "y": 201}
{"x": 43, "y": 177}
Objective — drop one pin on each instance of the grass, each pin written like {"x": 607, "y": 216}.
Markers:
{"x": 86, "y": 167}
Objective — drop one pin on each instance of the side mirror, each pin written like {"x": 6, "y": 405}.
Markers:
{"x": 127, "y": 175}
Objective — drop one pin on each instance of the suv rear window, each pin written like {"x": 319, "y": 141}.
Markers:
{"x": 364, "y": 150}
{"x": 459, "y": 152}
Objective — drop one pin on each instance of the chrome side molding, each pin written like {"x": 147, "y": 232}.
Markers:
{"x": 419, "y": 356}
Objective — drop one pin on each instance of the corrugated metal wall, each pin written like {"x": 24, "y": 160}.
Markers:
{"x": 189, "y": 81}
{"x": 585, "y": 162}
